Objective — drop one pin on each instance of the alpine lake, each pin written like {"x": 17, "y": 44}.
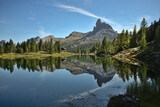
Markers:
{"x": 76, "y": 81}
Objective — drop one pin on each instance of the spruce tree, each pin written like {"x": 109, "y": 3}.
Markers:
{"x": 157, "y": 37}
{"x": 33, "y": 45}
{"x": 1, "y": 50}
{"x": 51, "y": 48}
{"x": 133, "y": 42}
{"x": 40, "y": 45}
{"x": 104, "y": 44}
{"x": 18, "y": 48}
{"x": 57, "y": 47}
{"x": 11, "y": 46}
{"x": 29, "y": 46}
{"x": 143, "y": 40}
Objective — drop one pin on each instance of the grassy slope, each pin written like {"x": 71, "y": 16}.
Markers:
{"x": 36, "y": 55}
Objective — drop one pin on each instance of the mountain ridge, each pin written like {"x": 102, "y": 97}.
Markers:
{"x": 78, "y": 40}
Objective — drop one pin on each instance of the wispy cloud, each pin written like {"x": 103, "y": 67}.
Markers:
{"x": 82, "y": 11}
{"x": 42, "y": 32}
{"x": 117, "y": 26}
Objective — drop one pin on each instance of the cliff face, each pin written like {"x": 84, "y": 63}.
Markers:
{"x": 77, "y": 40}
{"x": 87, "y": 40}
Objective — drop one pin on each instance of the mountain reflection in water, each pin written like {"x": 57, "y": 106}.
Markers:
{"x": 105, "y": 71}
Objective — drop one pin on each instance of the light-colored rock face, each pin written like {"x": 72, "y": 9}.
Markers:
{"x": 83, "y": 40}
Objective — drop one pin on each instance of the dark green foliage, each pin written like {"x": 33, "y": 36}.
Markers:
{"x": 11, "y": 46}
{"x": 157, "y": 36}
{"x": 143, "y": 29}
{"x": 57, "y": 47}
{"x": 133, "y": 42}
{"x": 40, "y": 45}
{"x": 142, "y": 42}
{"x": 127, "y": 40}
{"x": 33, "y": 45}
{"x": 1, "y": 50}
{"x": 18, "y": 48}
{"x": 51, "y": 47}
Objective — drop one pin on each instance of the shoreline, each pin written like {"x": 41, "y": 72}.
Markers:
{"x": 35, "y": 55}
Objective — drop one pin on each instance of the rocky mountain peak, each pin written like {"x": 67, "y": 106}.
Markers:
{"x": 49, "y": 37}
{"x": 76, "y": 34}
{"x": 100, "y": 25}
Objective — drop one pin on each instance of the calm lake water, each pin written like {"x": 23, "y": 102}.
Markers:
{"x": 79, "y": 81}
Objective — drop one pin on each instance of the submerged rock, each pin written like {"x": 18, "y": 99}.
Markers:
{"x": 124, "y": 101}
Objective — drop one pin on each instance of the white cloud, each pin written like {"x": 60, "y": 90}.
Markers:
{"x": 42, "y": 32}
{"x": 82, "y": 11}
{"x": 117, "y": 26}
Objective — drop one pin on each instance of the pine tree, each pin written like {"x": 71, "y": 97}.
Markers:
{"x": 29, "y": 46}
{"x": 57, "y": 47}
{"x": 37, "y": 47}
{"x": 21, "y": 50}
{"x": 104, "y": 44}
{"x": 143, "y": 24}
{"x": 11, "y": 46}
{"x": 40, "y": 45}
{"x": 1, "y": 50}
{"x": 7, "y": 47}
{"x": 33, "y": 45}
{"x": 133, "y": 42}
{"x": 18, "y": 47}
{"x": 157, "y": 37}
{"x": 143, "y": 40}
{"x": 51, "y": 48}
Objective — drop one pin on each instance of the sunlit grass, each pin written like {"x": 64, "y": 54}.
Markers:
{"x": 36, "y": 55}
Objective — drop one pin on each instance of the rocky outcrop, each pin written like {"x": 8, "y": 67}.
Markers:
{"x": 87, "y": 40}
{"x": 77, "y": 40}
{"x": 124, "y": 101}
{"x": 76, "y": 34}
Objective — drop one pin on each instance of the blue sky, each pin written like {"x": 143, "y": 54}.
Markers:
{"x": 23, "y": 19}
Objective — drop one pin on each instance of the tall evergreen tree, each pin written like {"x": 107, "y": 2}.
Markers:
{"x": 40, "y": 45}
{"x": 51, "y": 48}
{"x": 143, "y": 29}
{"x": 143, "y": 24}
{"x": 57, "y": 47}
{"x": 1, "y": 49}
{"x": 157, "y": 37}
{"x": 18, "y": 48}
{"x": 133, "y": 42}
{"x": 29, "y": 45}
{"x": 143, "y": 40}
{"x": 104, "y": 44}
{"x": 11, "y": 46}
{"x": 33, "y": 45}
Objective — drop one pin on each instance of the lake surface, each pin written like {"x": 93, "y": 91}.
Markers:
{"x": 81, "y": 81}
